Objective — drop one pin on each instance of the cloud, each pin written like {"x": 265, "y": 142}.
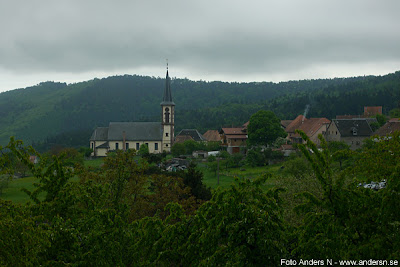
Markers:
{"x": 231, "y": 40}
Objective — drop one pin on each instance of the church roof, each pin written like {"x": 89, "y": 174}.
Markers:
{"x": 135, "y": 131}
{"x": 167, "y": 98}
{"x": 100, "y": 134}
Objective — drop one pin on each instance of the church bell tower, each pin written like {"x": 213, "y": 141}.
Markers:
{"x": 168, "y": 116}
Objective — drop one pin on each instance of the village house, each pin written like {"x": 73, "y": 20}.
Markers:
{"x": 212, "y": 136}
{"x": 189, "y": 134}
{"x": 350, "y": 131}
{"x": 311, "y": 127}
{"x": 293, "y": 126}
{"x": 234, "y": 139}
{"x": 158, "y": 136}
{"x": 369, "y": 111}
{"x": 388, "y": 128}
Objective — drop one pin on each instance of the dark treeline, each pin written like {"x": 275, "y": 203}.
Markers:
{"x": 50, "y": 110}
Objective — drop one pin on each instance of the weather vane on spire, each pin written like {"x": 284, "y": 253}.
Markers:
{"x": 167, "y": 63}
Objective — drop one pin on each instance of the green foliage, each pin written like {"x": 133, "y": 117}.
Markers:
{"x": 178, "y": 149}
{"x": 143, "y": 150}
{"x": 395, "y": 113}
{"x": 224, "y": 154}
{"x": 3, "y": 183}
{"x": 211, "y": 158}
{"x": 264, "y": 128}
{"x": 57, "y": 113}
{"x": 379, "y": 158}
{"x": 191, "y": 146}
{"x": 297, "y": 167}
{"x": 235, "y": 159}
{"x": 85, "y": 151}
{"x": 104, "y": 218}
{"x": 239, "y": 226}
{"x": 255, "y": 157}
{"x": 193, "y": 178}
{"x": 339, "y": 151}
{"x": 381, "y": 119}
{"x": 347, "y": 221}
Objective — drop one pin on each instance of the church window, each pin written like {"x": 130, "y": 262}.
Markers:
{"x": 166, "y": 115}
{"x": 166, "y": 134}
{"x": 147, "y": 144}
{"x": 92, "y": 145}
{"x": 137, "y": 146}
{"x": 116, "y": 146}
{"x": 156, "y": 146}
{"x": 166, "y": 145}
{"x": 126, "y": 146}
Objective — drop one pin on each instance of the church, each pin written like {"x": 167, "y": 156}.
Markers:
{"x": 158, "y": 136}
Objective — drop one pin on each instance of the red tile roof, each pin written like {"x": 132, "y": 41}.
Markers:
{"x": 229, "y": 131}
{"x": 237, "y": 136}
{"x": 372, "y": 111}
{"x": 312, "y": 125}
{"x": 212, "y": 135}
{"x": 388, "y": 128}
{"x": 295, "y": 124}
{"x": 285, "y": 123}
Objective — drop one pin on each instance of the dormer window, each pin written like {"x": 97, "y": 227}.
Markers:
{"x": 354, "y": 130}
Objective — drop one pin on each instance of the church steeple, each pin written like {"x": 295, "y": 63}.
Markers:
{"x": 167, "y": 115}
{"x": 167, "y": 98}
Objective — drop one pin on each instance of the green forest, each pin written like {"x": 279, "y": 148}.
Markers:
{"x": 126, "y": 212}
{"x": 66, "y": 114}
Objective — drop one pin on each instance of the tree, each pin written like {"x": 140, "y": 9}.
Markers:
{"x": 178, "y": 149}
{"x": 255, "y": 157}
{"x": 143, "y": 150}
{"x": 264, "y": 128}
{"x": 349, "y": 221}
{"x": 86, "y": 151}
{"x": 235, "y": 159}
{"x": 340, "y": 151}
{"x": 381, "y": 119}
{"x": 194, "y": 179}
{"x": 395, "y": 113}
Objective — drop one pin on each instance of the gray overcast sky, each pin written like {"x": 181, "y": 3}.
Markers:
{"x": 228, "y": 40}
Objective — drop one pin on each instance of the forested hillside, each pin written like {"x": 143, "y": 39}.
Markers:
{"x": 66, "y": 114}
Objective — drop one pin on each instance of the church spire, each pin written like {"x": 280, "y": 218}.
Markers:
{"x": 167, "y": 98}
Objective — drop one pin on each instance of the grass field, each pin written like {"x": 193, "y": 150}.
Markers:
{"x": 226, "y": 177}
{"x": 94, "y": 163}
{"x": 14, "y": 193}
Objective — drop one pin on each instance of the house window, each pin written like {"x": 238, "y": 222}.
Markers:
{"x": 156, "y": 146}
{"x": 116, "y": 146}
{"x": 147, "y": 144}
{"x": 358, "y": 143}
{"x": 137, "y": 146}
{"x": 126, "y": 146}
{"x": 166, "y": 134}
{"x": 336, "y": 132}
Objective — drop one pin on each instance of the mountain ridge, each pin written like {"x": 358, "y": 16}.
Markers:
{"x": 49, "y": 109}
